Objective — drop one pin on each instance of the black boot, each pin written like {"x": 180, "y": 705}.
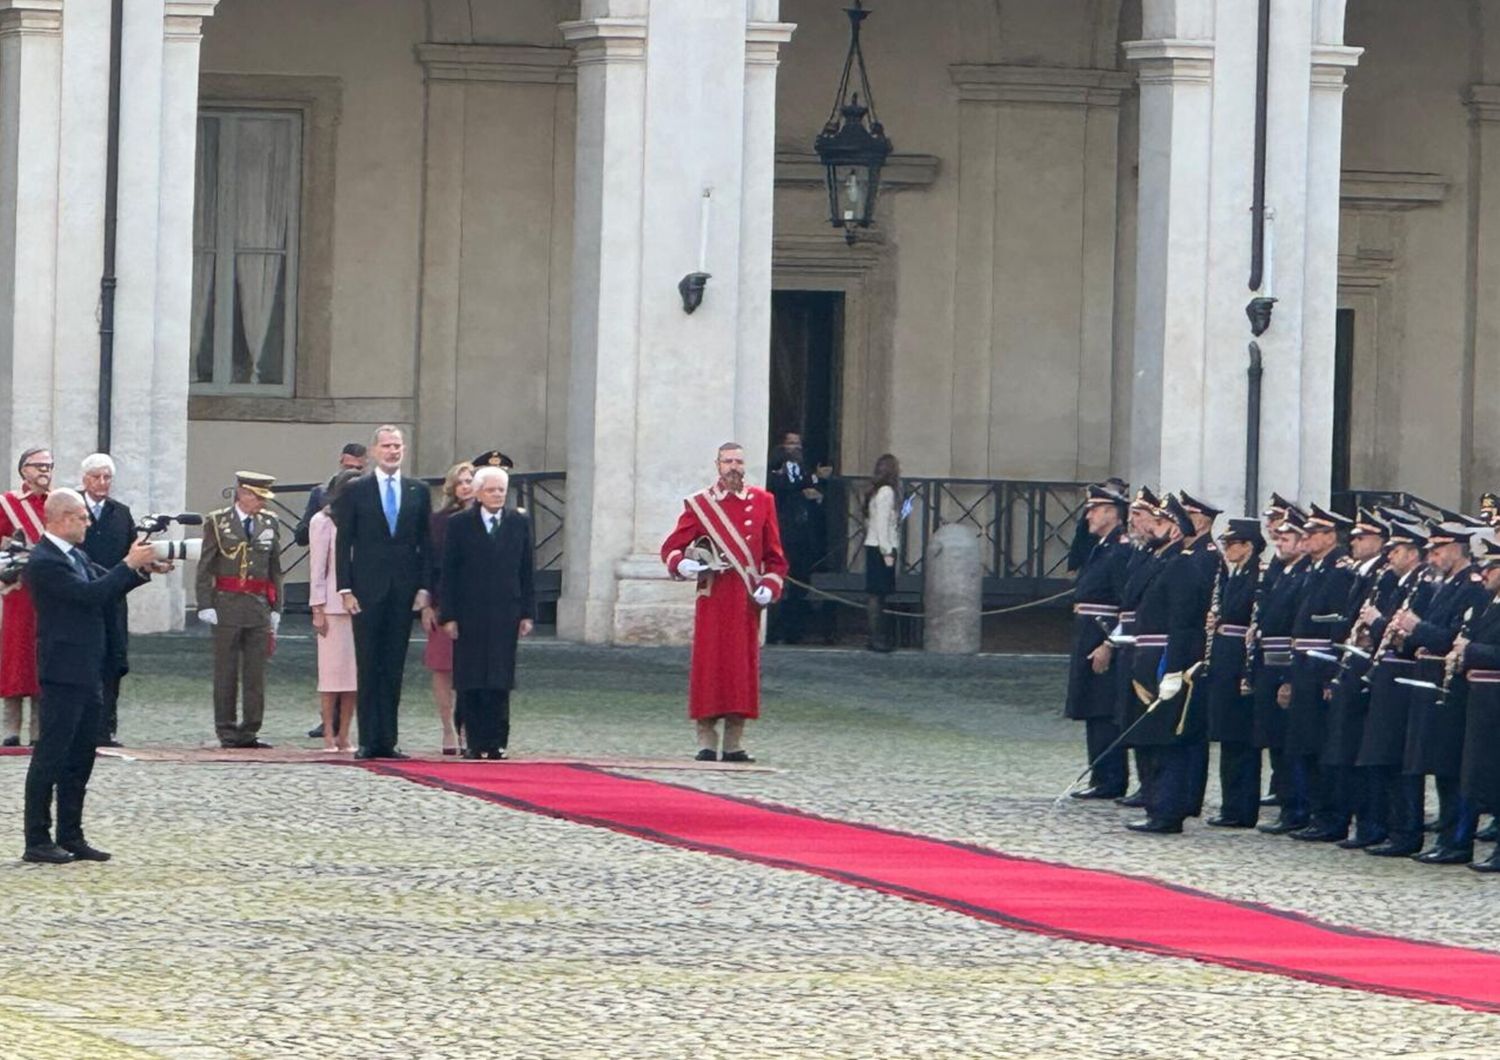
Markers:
{"x": 876, "y": 617}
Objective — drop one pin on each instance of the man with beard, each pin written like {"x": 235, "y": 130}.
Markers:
{"x": 1140, "y": 568}
{"x": 1398, "y": 797}
{"x": 1477, "y": 658}
{"x": 21, "y": 512}
{"x": 1435, "y": 720}
{"x": 1169, "y": 643}
{"x": 1271, "y": 661}
{"x": 1230, "y": 717}
{"x": 1096, "y": 609}
{"x": 798, "y": 491}
{"x": 727, "y": 539}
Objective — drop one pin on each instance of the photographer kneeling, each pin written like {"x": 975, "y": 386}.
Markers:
{"x": 75, "y": 602}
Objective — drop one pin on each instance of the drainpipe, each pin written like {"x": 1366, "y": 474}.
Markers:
{"x": 111, "y": 223}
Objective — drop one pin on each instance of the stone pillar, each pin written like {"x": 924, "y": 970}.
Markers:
{"x": 655, "y": 390}
{"x": 30, "y": 125}
{"x": 1175, "y": 68}
{"x": 953, "y": 592}
{"x": 1483, "y": 467}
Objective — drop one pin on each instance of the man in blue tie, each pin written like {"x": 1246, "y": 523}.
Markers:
{"x": 380, "y": 560}
{"x": 239, "y": 594}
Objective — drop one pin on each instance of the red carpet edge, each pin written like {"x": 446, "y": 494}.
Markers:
{"x": 1027, "y": 894}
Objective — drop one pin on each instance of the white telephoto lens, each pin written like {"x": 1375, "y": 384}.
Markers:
{"x": 178, "y": 551}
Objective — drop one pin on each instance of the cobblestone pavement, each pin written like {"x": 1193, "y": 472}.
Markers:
{"x": 312, "y": 910}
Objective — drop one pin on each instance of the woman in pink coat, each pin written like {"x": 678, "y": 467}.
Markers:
{"x": 337, "y": 681}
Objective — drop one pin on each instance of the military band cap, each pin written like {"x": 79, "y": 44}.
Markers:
{"x": 1319, "y": 518}
{"x": 493, "y": 458}
{"x": 1399, "y": 515}
{"x": 1451, "y": 532}
{"x": 1459, "y": 518}
{"x": 1366, "y": 525}
{"x": 1197, "y": 507}
{"x": 256, "y": 483}
{"x": 1246, "y": 530}
{"x": 1098, "y": 495}
{"x": 1414, "y": 534}
{"x": 1484, "y": 547}
{"x": 1174, "y": 511}
{"x": 1278, "y": 507}
{"x": 1144, "y": 498}
{"x": 1293, "y": 522}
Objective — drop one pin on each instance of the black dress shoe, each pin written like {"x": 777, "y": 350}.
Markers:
{"x": 1489, "y": 864}
{"x": 473, "y": 754}
{"x": 316, "y": 732}
{"x": 1096, "y": 793}
{"x": 496, "y": 755}
{"x": 365, "y": 753}
{"x": 1490, "y": 833}
{"x": 83, "y": 852}
{"x": 11, "y": 741}
{"x": 1359, "y": 842}
{"x": 111, "y": 742}
{"x": 708, "y": 754}
{"x": 1229, "y": 822}
{"x": 1134, "y": 801}
{"x": 47, "y": 854}
{"x": 1156, "y": 826}
{"x": 1283, "y": 825}
{"x": 399, "y": 756}
{"x": 1392, "y": 849}
{"x": 1441, "y": 855}
{"x": 1270, "y": 800}
{"x": 736, "y": 756}
{"x": 1321, "y": 833}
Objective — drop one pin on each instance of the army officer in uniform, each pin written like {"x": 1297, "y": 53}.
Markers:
{"x": 239, "y": 594}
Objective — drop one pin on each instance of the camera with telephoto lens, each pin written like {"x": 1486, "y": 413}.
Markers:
{"x": 174, "y": 551}
{"x": 13, "y": 557}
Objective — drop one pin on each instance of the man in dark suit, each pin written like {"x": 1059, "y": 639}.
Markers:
{"x": 380, "y": 561}
{"x": 487, "y": 602}
{"x": 111, "y": 531}
{"x": 351, "y": 458}
{"x": 75, "y": 601}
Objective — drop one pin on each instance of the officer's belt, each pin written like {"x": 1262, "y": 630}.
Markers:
{"x": 253, "y": 586}
{"x": 1101, "y": 610}
{"x": 1238, "y": 632}
{"x": 1391, "y": 658}
{"x": 1483, "y": 677}
{"x": 1311, "y": 644}
{"x": 1276, "y": 643}
{"x": 1127, "y": 616}
{"x": 1151, "y": 640}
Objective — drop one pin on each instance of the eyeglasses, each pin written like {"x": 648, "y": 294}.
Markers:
{"x": 39, "y": 467}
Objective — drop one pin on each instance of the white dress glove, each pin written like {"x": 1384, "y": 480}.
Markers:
{"x": 762, "y": 596}
{"x": 275, "y": 621}
{"x": 208, "y": 615}
{"x": 1170, "y": 685}
{"x": 690, "y": 568}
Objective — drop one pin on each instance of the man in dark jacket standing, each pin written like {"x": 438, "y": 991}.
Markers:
{"x": 380, "y": 560}
{"x": 111, "y": 531}
{"x": 74, "y": 601}
{"x": 486, "y": 603}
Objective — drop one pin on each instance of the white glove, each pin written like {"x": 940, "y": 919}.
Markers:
{"x": 762, "y": 596}
{"x": 275, "y": 621}
{"x": 208, "y": 615}
{"x": 690, "y": 568}
{"x": 1170, "y": 685}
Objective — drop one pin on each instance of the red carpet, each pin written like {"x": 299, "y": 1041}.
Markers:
{"x": 15, "y": 751}
{"x": 1086, "y": 905}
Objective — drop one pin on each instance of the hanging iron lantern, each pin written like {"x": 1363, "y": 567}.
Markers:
{"x": 853, "y": 145}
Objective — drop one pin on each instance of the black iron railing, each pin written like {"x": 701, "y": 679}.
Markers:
{"x": 1348, "y": 502}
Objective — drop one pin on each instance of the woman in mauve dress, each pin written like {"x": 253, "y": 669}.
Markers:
{"x": 458, "y": 490}
{"x": 337, "y": 680}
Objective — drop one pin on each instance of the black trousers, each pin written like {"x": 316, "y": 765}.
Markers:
{"x": 1403, "y": 798}
{"x": 1169, "y": 780}
{"x": 112, "y": 705}
{"x": 1239, "y": 781}
{"x": 1197, "y": 778}
{"x": 1457, "y": 817}
{"x": 1365, "y": 789}
{"x": 486, "y": 714}
{"x": 1111, "y": 773}
{"x": 381, "y": 635}
{"x": 63, "y": 760}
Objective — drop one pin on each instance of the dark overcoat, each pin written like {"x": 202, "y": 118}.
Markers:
{"x": 1384, "y": 739}
{"x": 1480, "y": 772}
{"x": 1229, "y": 712}
{"x": 1322, "y": 620}
{"x": 1435, "y": 723}
{"x": 487, "y": 589}
{"x": 1096, "y": 595}
{"x": 1172, "y": 610}
{"x": 1349, "y": 691}
{"x": 107, "y": 540}
{"x": 1276, "y": 613}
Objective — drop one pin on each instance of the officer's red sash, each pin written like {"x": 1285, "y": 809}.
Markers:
{"x": 721, "y": 530}
{"x": 22, "y": 516}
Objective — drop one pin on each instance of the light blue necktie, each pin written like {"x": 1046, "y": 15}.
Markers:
{"x": 392, "y": 509}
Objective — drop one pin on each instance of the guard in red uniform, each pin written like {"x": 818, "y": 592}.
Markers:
{"x": 21, "y": 510}
{"x": 728, "y": 539}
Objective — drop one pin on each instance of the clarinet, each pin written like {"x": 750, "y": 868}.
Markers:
{"x": 1361, "y": 628}
{"x": 1450, "y": 661}
{"x": 1391, "y": 639}
{"x": 1211, "y": 620}
{"x": 1252, "y": 637}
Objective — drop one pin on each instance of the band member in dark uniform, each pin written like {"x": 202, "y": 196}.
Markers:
{"x": 1230, "y": 711}
{"x": 1271, "y": 660}
{"x": 1169, "y": 651}
{"x": 1479, "y": 661}
{"x": 1140, "y": 568}
{"x": 1096, "y": 610}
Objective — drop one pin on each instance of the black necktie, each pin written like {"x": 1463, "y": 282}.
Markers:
{"x": 494, "y": 525}
{"x": 249, "y": 524}
{"x": 78, "y": 561}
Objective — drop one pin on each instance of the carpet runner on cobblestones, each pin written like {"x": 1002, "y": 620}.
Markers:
{"x": 1063, "y": 901}
{"x": 15, "y": 751}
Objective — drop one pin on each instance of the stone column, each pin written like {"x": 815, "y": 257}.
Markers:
{"x": 654, "y": 389}
{"x": 1483, "y": 466}
{"x": 1175, "y": 68}
{"x": 30, "y": 125}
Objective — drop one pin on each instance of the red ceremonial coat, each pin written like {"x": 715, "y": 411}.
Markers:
{"x": 19, "y": 511}
{"x": 725, "y": 676}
